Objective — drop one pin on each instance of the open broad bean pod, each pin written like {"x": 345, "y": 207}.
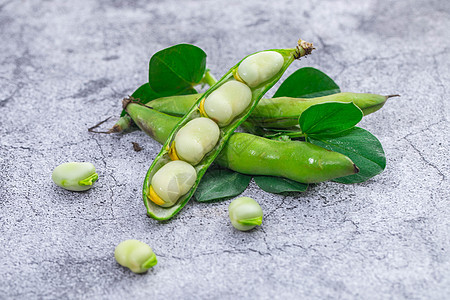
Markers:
{"x": 228, "y": 103}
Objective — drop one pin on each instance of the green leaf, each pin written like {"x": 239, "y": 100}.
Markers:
{"x": 363, "y": 148}
{"x": 177, "y": 68}
{"x": 276, "y": 185}
{"x": 307, "y": 83}
{"x": 329, "y": 118}
{"x": 221, "y": 183}
{"x": 145, "y": 94}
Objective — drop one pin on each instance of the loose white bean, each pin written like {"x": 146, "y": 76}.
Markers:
{"x": 195, "y": 139}
{"x": 245, "y": 213}
{"x": 75, "y": 176}
{"x": 260, "y": 67}
{"x": 173, "y": 180}
{"x": 135, "y": 255}
{"x": 228, "y": 101}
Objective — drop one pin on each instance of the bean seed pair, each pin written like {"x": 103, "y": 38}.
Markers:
{"x": 197, "y": 141}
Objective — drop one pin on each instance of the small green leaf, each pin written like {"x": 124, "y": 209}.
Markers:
{"x": 307, "y": 83}
{"x": 278, "y": 185}
{"x": 329, "y": 118}
{"x": 177, "y": 68}
{"x": 221, "y": 183}
{"x": 363, "y": 148}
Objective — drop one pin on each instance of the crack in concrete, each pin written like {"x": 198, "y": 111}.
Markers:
{"x": 421, "y": 130}
{"x": 216, "y": 253}
{"x": 6, "y": 147}
{"x": 276, "y": 207}
{"x": 3, "y": 102}
{"x": 111, "y": 190}
{"x": 427, "y": 162}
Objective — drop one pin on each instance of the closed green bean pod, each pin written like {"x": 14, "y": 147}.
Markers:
{"x": 281, "y": 112}
{"x": 254, "y": 155}
{"x": 167, "y": 153}
{"x": 300, "y": 161}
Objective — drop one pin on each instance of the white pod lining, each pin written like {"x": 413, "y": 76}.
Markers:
{"x": 260, "y": 67}
{"x": 228, "y": 101}
{"x": 173, "y": 180}
{"x": 195, "y": 139}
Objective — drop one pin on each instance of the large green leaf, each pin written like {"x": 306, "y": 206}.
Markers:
{"x": 330, "y": 118}
{"x": 363, "y": 148}
{"x": 307, "y": 83}
{"x": 278, "y": 185}
{"x": 221, "y": 183}
{"x": 177, "y": 68}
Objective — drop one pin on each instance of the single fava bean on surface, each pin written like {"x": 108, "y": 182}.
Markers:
{"x": 195, "y": 139}
{"x": 135, "y": 255}
{"x": 172, "y": 181}
{"x": 245, "y": 213}
{"x": 227, "y": 102}
{"x": 75, "y": 176}
{"x": 260, "y": 67}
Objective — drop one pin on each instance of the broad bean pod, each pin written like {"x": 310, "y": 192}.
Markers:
{"x": 280, "y": 112}
{"x": 258, "y": 89}
{"x": 254, "y": 155}
{"x": 283, "y": 112}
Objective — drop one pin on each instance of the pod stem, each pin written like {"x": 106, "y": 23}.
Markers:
{"x": 303, "y": 48}
{"x": 392, "y": 96}
{"x": 121, "y": 125}
{"x": 128, "y": 100}
{"x": 92, "y": 129}
{"x": 208, "y": 78}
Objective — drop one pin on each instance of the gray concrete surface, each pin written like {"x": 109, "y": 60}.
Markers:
{"x": 65, "y": 65}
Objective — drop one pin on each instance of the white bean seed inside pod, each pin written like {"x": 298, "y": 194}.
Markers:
{"x": 195, "y": 139}
{"x": 228, "y": 101}
{"x": 173, "y": 180}
{"x": 260, "y": 67}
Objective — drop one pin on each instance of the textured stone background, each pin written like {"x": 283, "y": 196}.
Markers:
{"x": 65, "y": 65}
